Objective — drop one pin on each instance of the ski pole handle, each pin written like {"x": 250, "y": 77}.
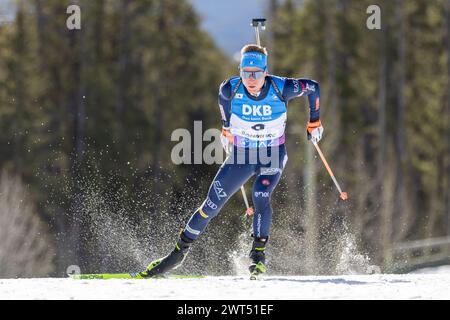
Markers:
{"x": 343, "y": 195}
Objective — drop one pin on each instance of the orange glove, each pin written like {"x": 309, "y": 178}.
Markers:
{"x": 314, "y": 131}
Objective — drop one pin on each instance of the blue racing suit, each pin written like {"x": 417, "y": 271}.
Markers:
{"x": 258, "y": 128}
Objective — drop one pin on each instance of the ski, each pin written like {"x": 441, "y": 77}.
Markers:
{"x": 131, "y": 275}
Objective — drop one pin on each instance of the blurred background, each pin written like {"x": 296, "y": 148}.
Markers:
{"x": 86, "y": 118}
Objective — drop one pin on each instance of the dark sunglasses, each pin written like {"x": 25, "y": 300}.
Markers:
{"x": 253, "y": 74}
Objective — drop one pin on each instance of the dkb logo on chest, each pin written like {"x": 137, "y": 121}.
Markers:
{"x": 256, "y": 110}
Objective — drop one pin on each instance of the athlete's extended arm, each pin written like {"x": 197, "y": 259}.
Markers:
{"x": 294, "y": 88}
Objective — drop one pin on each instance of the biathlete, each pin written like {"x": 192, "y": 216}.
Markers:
{"x": 253, "y": 108}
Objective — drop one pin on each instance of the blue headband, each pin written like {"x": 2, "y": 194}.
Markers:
{"x": 254, "y": 59}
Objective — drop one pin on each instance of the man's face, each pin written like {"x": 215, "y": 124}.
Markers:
{"x": 251, "y": 84}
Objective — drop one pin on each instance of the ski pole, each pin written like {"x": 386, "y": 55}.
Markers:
{"x": 249, "y": 212}
{"x": 343, "y": 195}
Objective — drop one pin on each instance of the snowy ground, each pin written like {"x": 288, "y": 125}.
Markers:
{"x": 381, "y": 286}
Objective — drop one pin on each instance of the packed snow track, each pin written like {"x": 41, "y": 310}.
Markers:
{"x": 379, "y": 287}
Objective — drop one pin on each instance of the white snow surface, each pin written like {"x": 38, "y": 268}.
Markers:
{"x": 433, "y": 270}
{"x": 349, "y": 287}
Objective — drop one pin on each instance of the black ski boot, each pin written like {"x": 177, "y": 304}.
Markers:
{"x": 258, "y": 257}
{"x": 170, "y": 262}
